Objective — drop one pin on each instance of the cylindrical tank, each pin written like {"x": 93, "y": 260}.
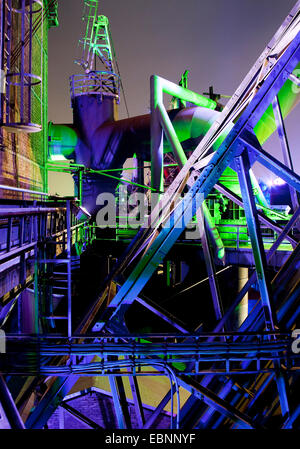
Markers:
{"x": 92, "y": 111}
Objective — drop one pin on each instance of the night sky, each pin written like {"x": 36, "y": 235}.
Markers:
{"x": 217, "y": 40}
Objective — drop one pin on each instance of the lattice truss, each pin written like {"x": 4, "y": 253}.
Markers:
{"x": 214, "y": 368}
{"x": 96, "y": 42}
{"x": 96, "y": 47}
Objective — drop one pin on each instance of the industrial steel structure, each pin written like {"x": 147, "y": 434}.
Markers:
{"x": 180, "y": 309}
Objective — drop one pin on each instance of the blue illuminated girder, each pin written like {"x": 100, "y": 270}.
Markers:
{"x": 46, "y": 407}
{"x": 120, "y": 402}
{"x": 7, "y": 403}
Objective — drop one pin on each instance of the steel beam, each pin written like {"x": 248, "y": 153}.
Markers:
{"x": 277, "y": 167}
{"x": 69, "y": 268}
{"x": 9, "y": 407}
{"x": 120, "y": 402}
{"x": 262, "y": 218}
{"x": 50, "y": 401}
{"x": 243, "y": 166}
{"x": 212, "y": 400}
{"x": 163, "y": 314}
{"x": 289, "y": 423}
{"x": 80, "y": 416}
{"x": 138, "y": 406}
{"x": 159, "y": 409}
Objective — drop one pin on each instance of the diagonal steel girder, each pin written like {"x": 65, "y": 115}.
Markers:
{"x": 8, "y": 407}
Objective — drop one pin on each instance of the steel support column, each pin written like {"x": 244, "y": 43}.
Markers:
{"x": 243, "y": 166}
{"x": 211, "y": 271}
{"x": 157, "y": 150}
{"x": 80, "y": 416}
{"x": 137, "y": 400}
{"x": 118, "y": 395}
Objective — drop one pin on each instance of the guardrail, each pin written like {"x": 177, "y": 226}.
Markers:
{"x": 43, "y": 195}
{"x": 95, "y": 83}
{"x": 186, "y": 353}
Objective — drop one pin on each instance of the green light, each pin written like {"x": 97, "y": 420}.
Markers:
{"x": 288, "y": 99}
{"x": 123, "y": 180}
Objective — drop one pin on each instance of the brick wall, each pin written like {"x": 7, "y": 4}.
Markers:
{"x": 100, "y": 409}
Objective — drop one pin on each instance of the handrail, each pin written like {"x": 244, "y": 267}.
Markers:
{"x": 18, "y": 189}
{"x": 16, "y": 212}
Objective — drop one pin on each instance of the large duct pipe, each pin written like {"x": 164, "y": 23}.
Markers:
{"x": 111, "y": 143}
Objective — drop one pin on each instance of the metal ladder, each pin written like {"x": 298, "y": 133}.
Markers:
{"x": 7, "y": 49}
{"x": 89, "y": 16}
{"x": 62, "y": 278}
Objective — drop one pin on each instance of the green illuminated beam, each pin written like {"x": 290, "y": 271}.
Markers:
{"x": 65, "y": 165}
{"x": 288, "y": 98}
{"x": 158, "y": 87}
{"x": 160, "y": 122}
{"x": 123, "y": 180}
{"x": 167, "y": 87}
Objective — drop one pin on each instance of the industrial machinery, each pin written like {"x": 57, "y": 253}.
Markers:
{"x": 163, "y": 298}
